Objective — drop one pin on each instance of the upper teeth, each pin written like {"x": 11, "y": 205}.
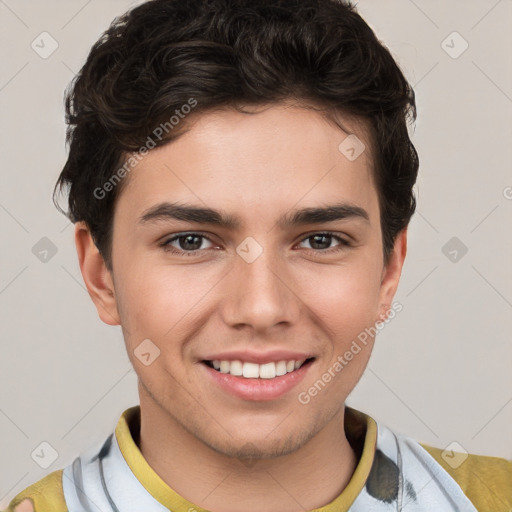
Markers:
{"x": 254, "y": 370}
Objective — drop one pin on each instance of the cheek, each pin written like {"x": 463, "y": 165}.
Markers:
{"x": 159, "y": 303}
{"x": 345, "y": 297}
{"x": 147, "y": 292}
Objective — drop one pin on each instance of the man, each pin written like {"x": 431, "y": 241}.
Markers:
{"x": 240, "y": 175}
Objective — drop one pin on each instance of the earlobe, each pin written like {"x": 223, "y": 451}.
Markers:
{"x": 97, "y": 277}
{"x": 391, "y": 274}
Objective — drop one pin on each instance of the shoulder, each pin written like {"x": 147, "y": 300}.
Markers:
{"x": 45, "y": 495}
{"x": 486, "y": 481}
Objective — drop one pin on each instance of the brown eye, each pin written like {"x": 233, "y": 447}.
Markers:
{"x": 321, "y": 242}
{"x": 187, "y": 243}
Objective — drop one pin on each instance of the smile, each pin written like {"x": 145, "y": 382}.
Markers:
{"x": 252, "y": 381}
{"x": 249, "y": 370}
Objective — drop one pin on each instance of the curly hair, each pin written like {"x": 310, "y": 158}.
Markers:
{"x": 161, "y": 54}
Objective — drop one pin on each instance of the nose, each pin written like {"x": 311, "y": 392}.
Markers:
{"x": 261, "y": 293}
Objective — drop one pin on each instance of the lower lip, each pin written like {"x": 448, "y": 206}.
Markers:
{"x": 258, "y": 389}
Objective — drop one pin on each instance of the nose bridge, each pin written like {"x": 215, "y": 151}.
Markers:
{"x": 260, "y": 294}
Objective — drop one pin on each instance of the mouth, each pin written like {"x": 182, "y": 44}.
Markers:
{"x": 249, "y": 370}
{"x": 251, "y": 382}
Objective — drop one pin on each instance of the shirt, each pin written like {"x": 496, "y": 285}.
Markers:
{"x": 393, "y": 473}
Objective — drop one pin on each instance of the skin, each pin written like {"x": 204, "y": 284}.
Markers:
{"x": 24, "y": 506}
{"x": 294, "y": 296}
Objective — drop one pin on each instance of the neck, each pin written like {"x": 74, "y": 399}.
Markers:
{"x": 309, "y": 478}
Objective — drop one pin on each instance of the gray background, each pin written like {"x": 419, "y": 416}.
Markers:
{"x": 441, "y": 370}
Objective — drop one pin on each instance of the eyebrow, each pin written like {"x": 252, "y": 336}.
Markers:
{"x": 312, "y": 215}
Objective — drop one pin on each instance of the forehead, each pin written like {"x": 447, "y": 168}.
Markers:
{"x": 276, "y": 154}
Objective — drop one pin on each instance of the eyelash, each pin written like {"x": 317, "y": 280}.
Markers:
{"x": 344, "y": 244}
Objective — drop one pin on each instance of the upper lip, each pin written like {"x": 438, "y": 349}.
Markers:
{"x": 247, "y": 356}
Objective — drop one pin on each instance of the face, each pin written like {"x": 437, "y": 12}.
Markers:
{"x": 255, "y": 282}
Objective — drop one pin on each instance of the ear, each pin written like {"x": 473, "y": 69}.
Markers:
{"x": 97, "y": 277}
{"x": 391, "y": 274}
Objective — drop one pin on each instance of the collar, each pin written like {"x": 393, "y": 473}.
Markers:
{"x": 361, "y": 431}
{"x": 393, "y": 471}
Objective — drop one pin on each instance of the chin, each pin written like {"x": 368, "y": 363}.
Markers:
{"x": 247, "y": 451}
{"x": 261, "y": 444}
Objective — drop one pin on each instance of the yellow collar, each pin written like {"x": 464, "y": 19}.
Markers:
{"x": 359, "y": 428}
